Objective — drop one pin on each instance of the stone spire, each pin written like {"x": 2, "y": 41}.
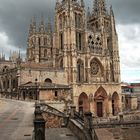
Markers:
{"x": 88, "y": 13}
{"x": 42, "y": 25}
{"x": 113, "y": 25}
{"x": 57, "y": 4}
{"x": 34, "y": 24}
{"x": 99, "y": 7}
{"x": 82, "y": 3}
{"x": 49, "y": 27}
{"x": 31, "y": 28}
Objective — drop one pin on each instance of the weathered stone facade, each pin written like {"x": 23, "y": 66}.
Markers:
{"x": 82, "y": 53}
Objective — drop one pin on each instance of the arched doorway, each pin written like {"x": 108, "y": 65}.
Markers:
{"x": 48, "y": 80}
{"x": 83, "y": 103}
{"x": 101, "y": 102}
{"x": 115, "y": 103}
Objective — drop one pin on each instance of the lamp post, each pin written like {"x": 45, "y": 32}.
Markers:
{"x": 18, "y": 78}
{"x": 36, "y": 89}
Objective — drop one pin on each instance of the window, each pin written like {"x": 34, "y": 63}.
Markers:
{"x": 48, "y": 80}
{"x": 94, "y": 68}
{"x": 80, "y": 71}
{"x": 39, "y": 41}
{"x": 122, "y": 99}
{"x": 78, "y": 41}
{"x": 61, "y": 63}
{"x": 61, "y": 41}
{"x": 56, "y": 93}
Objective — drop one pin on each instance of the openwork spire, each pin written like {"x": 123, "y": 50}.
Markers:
{"x": 42, "y": 25}
{"x": 99, "y": 7}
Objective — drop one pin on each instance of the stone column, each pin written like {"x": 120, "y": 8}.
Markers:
{"x": 73, "y": 109}
{"x": 88, "y": 122}
{"x": 39, "y": 124}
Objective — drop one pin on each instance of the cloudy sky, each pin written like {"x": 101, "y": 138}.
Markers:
{"x": 15, "y": 16}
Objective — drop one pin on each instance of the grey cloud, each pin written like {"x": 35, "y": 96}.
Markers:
{"x": 126, "y": 11}
{"x": 15, "y": 15}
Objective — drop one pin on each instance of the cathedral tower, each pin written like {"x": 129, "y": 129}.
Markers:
{"x": 104, "y": 40}
{"x": 39, "y": 42}
{"x": 70, "y": 26}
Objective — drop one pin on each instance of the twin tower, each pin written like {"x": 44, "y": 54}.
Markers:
{"x": 83, "y": 44}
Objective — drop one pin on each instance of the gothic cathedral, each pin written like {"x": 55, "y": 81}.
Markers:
{"x": 81, "y": 52}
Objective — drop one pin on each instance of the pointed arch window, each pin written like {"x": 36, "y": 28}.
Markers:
{"x": 78, "y": 41}
{"x": 39, "y": 41}
{"x": 80, "y": 71}
{"x": 61, "y": 63}
{"x": 61, "y": 41}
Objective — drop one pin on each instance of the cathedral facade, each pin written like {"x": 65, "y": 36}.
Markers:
{"x": 79, "y": 60}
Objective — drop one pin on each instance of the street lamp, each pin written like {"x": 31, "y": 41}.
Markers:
{"x": 36, "y": 88}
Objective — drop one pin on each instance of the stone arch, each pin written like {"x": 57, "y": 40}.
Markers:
{"x": 101, "y": 102}
{"x": 96, "y": 67}
{"x": 48, "y": 80}
{"x": 83, "y": 103}
{"x": 80, "y": 71}
{"x": 115, "y": 103}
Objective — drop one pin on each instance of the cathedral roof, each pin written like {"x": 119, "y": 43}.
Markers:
{"x": 36, "y": 65}
{"x": 49, "y": 86}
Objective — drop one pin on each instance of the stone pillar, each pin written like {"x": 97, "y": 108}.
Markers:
{"x": 73, "y": 109}
{"x": 88, "y": 122}
{"x": 121, "y": 119}
{"x": 39, "y": 124}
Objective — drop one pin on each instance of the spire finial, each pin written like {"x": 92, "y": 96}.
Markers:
{"x": 49, "y": 28}
{"x": 82, "y": 3}
{"x": 99, "y": 7}
{"x": 111, "y": 11}
{"x": 42, "y": 19}
{"x": 42, "y": 24}
{"x": 34, "y": 24}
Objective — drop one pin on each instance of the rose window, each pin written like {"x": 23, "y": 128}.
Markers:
{"x": 94, "y": 68}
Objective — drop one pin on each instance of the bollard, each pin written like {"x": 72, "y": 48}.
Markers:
{"x": 39, "y": 124}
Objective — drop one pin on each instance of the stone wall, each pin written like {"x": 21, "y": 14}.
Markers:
{"x": 91, "y": 89}
{"x": 58, "y": 77}
{"x": 132, "y": 116}
{"x": 52, "y": 121}
{"x": 77, "y": 129}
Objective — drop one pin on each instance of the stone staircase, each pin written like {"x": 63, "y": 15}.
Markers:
{"x": 53, "y": 117}
{"x": 49, "y": 109}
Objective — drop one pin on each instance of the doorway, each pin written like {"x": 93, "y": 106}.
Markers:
{"x": 99, "y": 109}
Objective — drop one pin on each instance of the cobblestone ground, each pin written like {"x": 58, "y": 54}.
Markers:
{"x": 60, "y": 134}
